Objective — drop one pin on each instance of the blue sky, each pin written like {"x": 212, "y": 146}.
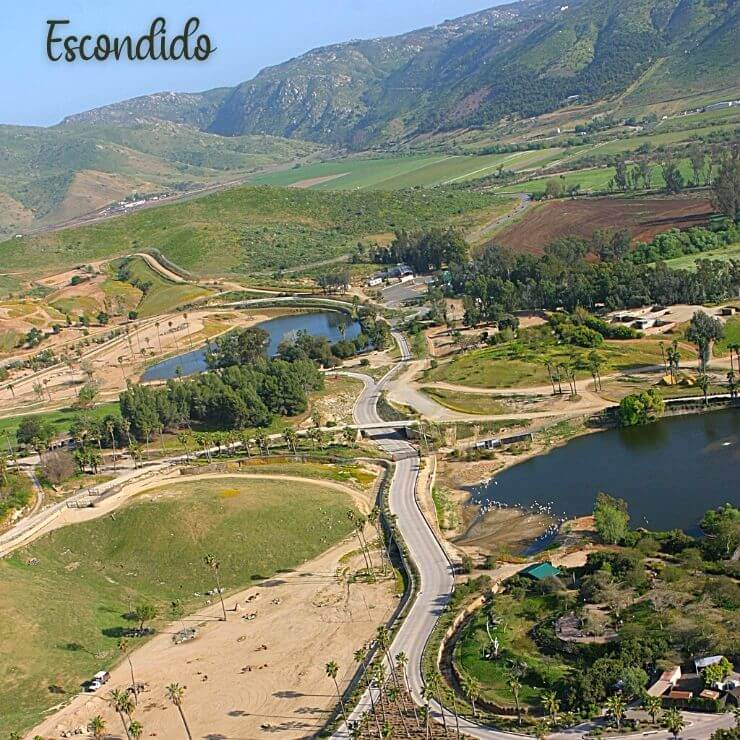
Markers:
{"x": 249, "y": 34}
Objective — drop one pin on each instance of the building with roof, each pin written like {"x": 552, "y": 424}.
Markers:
{"x": 666, "y": 682}
{"x": 541, "y": 571}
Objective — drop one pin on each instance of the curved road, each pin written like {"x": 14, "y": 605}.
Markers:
{"x": 437, "y": 580}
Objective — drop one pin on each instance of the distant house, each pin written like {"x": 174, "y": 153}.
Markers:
{"x": 666, "y": 682}
{"x": 701, "y": 663}
{"x": 375, "y": 280}
{"x": 402, "y": 273}
{"x": 541, "y": 571}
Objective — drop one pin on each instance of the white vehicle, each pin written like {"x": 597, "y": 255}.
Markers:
{"x": 98, "y": 680}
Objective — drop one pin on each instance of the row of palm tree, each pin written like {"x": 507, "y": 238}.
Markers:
{"x": 124, "y": 704}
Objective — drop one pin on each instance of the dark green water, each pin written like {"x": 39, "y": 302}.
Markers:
{"x": 669, "y": 473}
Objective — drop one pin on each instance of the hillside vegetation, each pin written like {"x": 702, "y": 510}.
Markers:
{"x": 244, "y": 230}
{"x": 518, "y": 60}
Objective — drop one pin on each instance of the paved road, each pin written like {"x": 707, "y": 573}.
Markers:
{"x": 437, "y": 580}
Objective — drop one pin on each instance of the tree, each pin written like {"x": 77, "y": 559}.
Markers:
{"x": 123, "y": 648}
{"x": 551, "y": 705}
{"x": 96, "y": 727}
{"x": 717, "y": 672}
{"x": 722, "y": 527}
{"x": 703, "y": 331}
{"x": 472, "y": 688}
{"x": 674, "y": 182}
{"x": 674, "y": 722}
{"x": 653, "y": 706}
{"x": 640, "y": 408}
{"x": 703, "y": 382}
{"x": 611, "y": 518}
{"x": 175, "y": 694}
{"x": 516, "y": 686}
{"x": 124, "y": 706}
{"x": 144, "y": 613}
{"x": 616, "y": 706}
{"x": 332, "y": 671}
{"x": 215, "y": 566}
{"x": 135, "y": 729}
{"x": 726, "y": 185}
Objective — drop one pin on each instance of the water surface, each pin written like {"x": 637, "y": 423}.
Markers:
{"x": 328, "y": 324}
{"x": 669, "y": 472}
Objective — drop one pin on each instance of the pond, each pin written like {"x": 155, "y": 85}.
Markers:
{"x": 669, "y": 472}
{"x": 321, "y": 323}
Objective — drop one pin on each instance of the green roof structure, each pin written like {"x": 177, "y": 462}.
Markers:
{"x": 541, "y": 571}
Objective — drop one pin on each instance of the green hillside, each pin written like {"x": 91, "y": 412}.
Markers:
{"x": 247, "y": 230}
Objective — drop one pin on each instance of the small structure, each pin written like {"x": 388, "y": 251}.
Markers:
{"x": 375, "y": 280}
{"x": 701, "y": 663}
{"x": 541, "y": 571}
{"x": 677, "y": 696}
{"x": 666, "y": 682}
{"x": 710, "y": 694}
{"x": 643, "y": 324}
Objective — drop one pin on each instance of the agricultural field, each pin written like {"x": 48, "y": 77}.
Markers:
{"x": 395, "y": 173}
{"x": 521, "y": 363}
{"x": 256, "y": 229}
{"x": 644, "y": 218}
{"x": 65, "y": 598}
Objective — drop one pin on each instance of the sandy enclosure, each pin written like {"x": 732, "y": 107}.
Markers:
{"x": 262, "y": 677}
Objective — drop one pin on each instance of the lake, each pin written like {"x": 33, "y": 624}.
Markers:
{"x": 669, "y": 472}
{"x": 321, "y": 323}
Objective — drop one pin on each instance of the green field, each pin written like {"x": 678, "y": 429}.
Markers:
{"x": 162, "y": 295}
{"x": 247, "y": 230}
{"x": 468, "y": 403}
{"x": 60, "y": 420}
{"x": 520, "y": 364}
{"x": 732, "y": 336}
{"x": 393, "y": 173}
{"x": 63, "y": 598}
{"x": 688, "y": 262}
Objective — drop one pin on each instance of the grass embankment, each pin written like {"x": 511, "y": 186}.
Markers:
{"x": 520, "y": 363}
{"x": 468, "y": 403}
{"x": 244, "y": 230}
{"x": 162, "y": 295}
{"x": 63, "y": 598}
{"x": 689, "y": 261}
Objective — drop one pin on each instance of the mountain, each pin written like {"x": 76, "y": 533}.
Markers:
{"x": 50, "y": 175}
{"x": 519, "y": 60}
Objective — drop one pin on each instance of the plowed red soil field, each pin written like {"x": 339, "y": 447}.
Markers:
{"x": 644, "y": 217}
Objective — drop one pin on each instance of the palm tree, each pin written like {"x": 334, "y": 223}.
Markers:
{"x": 110, "y": 427}
{"x": 290, "y": 437}
{"x": 123, "y": 648}
{"x": 652, "y": 705}
{"x": 383, "y": 638}
{"x": 424, "y": 713}
{"x": 175, "y": 693}
{"x": 402, "y": 661}
{"x": 136, "y": 729}
{"x": 394, "y": 695}
{"x": 552, "y": 705}
{"x": 732, "y": 383}
{"x": 434, "y": 693}
{"x": 595, "y": 363}
{"x": 674, "y": 722}
{"x": 515, "y": 685}
{"x": 472, "y": 688}
{"x": 159, "y": 337}
{"x": 263, "y": 441}
{"x": 332, "y": 671}
{"x": 215, "y": 565}
{"x": 703, "y": 382}
{"x": 96, "y": 726}
{"x": 616, "y": 706}
{"x": 358, "y": 522}
{"x": 350, "y": 436}
{"x": 451, "y": 696}
{"x": 124, "y": 705}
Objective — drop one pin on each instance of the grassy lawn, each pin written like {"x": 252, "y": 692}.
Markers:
{"x": 63, "y": 615}
{"x": 520, "y": 363}
{"x": 519, "y": 616}
{"x": 247, "y": 230}
{"x": 60, "y": 419}
{"x": 162, "y": 295}
{"x": 468, "y": 403}
{"x": 732, "y": 336}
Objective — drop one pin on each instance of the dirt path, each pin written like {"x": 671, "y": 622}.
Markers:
{"x": 525, "y": 202}
{"x": 157, "y": 266}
